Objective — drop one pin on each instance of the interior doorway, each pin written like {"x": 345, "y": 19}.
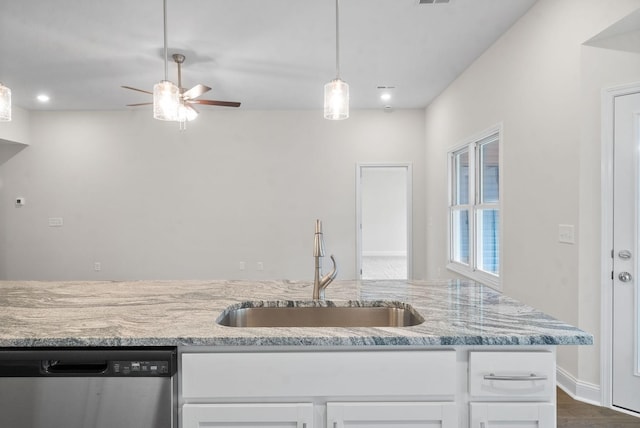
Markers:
{"x": 383, "y": 194}
{"x": 621, "y": 238}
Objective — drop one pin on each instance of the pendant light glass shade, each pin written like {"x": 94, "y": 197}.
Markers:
{"x": 336, "y": 92}
{"x": 5, "y": 103}
{"x": 166, "y": 95}
{"x": 166, "y": 101}
{"x": 336, "y": 100}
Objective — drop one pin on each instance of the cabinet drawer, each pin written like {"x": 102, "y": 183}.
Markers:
{"x": 512, "y": 376}
{"x": 328, "y": 374}
{"x": 522, "y": 415}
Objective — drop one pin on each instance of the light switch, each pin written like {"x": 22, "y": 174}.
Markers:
{"x": 566, "y": 234}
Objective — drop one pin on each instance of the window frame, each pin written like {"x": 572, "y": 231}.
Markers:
{"x": 474, "y": 205}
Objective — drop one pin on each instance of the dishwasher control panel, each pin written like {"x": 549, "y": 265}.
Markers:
{"x": 139, "y": 368}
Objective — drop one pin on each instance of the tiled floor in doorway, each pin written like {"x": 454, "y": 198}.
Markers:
{"x": 379, "y": 267}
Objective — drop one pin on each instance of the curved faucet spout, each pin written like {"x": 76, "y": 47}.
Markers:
{"x": 328, "y": 278}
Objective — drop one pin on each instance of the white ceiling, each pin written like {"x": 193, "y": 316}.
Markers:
{"x": 268, "y": 54}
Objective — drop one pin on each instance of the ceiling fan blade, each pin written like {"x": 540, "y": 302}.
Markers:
{"x": 215, "y": 103}
{"x": 136, "y": 89}
{"x": 195, "y": 92}
{"x": 139, "y": 104}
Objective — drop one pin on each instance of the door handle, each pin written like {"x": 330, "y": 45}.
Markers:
{"x": 625, "y": 277}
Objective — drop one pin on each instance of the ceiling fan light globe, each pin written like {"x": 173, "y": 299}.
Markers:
{"x": 186, "y": 113}
{"x": 336, "y": 100}
{"x": 166, "y": 101}
{"x": 5, "y": 103}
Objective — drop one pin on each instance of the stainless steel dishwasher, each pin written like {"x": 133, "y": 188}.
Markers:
{"x": 88, "y": 388}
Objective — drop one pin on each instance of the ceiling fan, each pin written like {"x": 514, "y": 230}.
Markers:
{"x": 187, "y": 97}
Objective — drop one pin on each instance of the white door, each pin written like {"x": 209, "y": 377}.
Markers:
{"x": 383, "y": 193}
{"x": 626, "y": 245}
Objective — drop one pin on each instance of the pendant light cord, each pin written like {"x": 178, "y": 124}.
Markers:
{"x": 166, "y": 64}
{"x": 337, "y": 40}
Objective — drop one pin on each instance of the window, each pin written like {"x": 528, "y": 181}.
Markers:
{"x": 474, "y": 209}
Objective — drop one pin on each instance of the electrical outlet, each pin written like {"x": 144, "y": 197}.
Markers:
{"x": 20, "y": 202}
{"x": 97, "y": 266}
{"x": 260, "y": 266}
{"x": 242, "y": 265}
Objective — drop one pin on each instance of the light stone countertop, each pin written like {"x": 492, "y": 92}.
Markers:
{"x": 164, "y": 313}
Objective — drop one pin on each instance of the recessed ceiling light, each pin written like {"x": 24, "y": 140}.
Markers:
{"x": 43, "y": 98}
{"x": 385, "y": 92}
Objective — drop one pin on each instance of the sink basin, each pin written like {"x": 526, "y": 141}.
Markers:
{"x": 298, "y": 314}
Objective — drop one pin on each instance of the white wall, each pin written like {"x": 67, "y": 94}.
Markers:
{"x": 532, "y": 80}
{"x": 149, "y": 202}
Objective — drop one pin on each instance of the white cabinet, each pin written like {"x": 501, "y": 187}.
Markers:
{"x": 512, "y": 389}
{"x": 522, "y": 415}
{"x": 440, "y": 388}
{"x": 282, "y": 415}
{"x": 392, "y": 415}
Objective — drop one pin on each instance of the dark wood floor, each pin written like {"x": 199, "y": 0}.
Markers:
{"x": 576, "y": 414}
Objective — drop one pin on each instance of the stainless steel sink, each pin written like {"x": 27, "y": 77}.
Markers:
{"x": 274, "y": 314}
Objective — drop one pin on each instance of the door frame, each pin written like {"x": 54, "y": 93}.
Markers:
{"x": 608, "y": 97}
{"x": 409, "y": 186}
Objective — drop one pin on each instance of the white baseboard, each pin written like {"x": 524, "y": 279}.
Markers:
{"x": 578, "y": 390}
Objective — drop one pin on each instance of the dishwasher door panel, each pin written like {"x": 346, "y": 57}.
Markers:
{"x": 86, "y": 402}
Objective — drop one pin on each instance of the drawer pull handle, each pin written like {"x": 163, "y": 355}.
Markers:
{"x": 532, "y": 376}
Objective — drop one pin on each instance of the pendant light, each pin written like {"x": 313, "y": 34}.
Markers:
{"x": 336, "y": 92}
{"x": 5, "y": 103}
{"x": 166, "y": 95}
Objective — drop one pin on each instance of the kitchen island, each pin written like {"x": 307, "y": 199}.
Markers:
{"x": 478, "y": 358}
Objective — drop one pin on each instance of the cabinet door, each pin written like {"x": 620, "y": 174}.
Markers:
{"x": 521, "y": 415}
{"x": 286, "y": 415}
{"x": 392, "y": 415}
